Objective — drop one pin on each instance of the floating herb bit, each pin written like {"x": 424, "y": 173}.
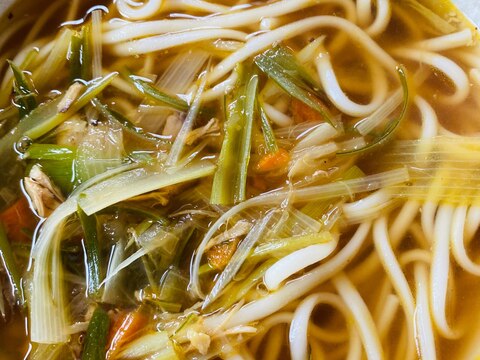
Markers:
{"x": 24, "y": 93}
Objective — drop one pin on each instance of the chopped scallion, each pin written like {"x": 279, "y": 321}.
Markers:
{"x": 96, "y": 337}
{"x": 278, "y": 66}
{"x": 229, "y": 184}
{"x": 92, "y": 253}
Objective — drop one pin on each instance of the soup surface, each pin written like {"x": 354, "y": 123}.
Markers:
{"x": 289, "y": 179}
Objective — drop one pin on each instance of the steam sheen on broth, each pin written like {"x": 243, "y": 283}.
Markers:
{"x": 290, "y": 179}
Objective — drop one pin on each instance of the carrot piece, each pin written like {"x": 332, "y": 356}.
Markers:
{"x": 124, "y": 329}
{"x": 219, "y": 255}
{"x": 302, "y": 112}
{"x": 273, "y": 161}
{"x": 19, "y": 220}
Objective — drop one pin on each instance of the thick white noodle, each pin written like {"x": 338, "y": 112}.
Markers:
{"x": 296, "y": 261}
{"x": 298, "y": 334}
{"x": 398, "y": 229}
{"x": 170, "y": 40}
{"x": 355, "y": 347}
{"x": 402, "y": 222}
{"x": 382, "y": 18}
{"x": 233, "y": 20}
{"x": 278, "y": 117}
{"x": 429, "y": 118}
{"x": 319, "y": 135}
{"x": 261, "y": 308}
{"x": 139, "y": 10}
{"x": 446, "y": 42}
{"x": 453, "y": 71}
{"x": 475, "y": 76}
{"x": 195, "y": 5}
{"x": 385, "y": 321}
{"x": 440, "y": 271}
{"x": 221, "y": 89}
{"x": 364, "y": 12}
{"x": 267, "y": 324}
{"x": 368, "y": 206}
{"x": 429, "y": 209}
{"x": 258, "y": 43}
{"x": 472, "y": 222}
{"x": 336, "y": 95}
{"x": 361, "y": 316}
{"x": 424, "y": 334}
{"x": 458, "y": 242}
{"x": 392, "y": 267}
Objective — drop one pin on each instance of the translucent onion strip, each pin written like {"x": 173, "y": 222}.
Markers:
{"x": 361, "y": 316}
{"x": 97, "y": 43}
{"x": 188, "y": 123}
{"x": 238, "y": 258}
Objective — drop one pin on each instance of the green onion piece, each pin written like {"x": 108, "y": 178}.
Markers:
{"x": 25, "y": 96}
{"x": 96, "y": 337}
{"x": 50, "y": 152}
{"x": 287, "y": 60}
{"x": 272, "y": 62}
{"x": 173, "y": 288}
{"x": 385, "y": 135}
{"x": 126, "y": 124}
{"x": 150, "y": 91}
{"x": 6, "y": 255}
{"x": 86, "y": 53}
{"x": 92, "y": 252}
{"x": 268, "y": 134}
{"x": 76, "y": 56}
{"x": 60, "y": 172}
{"x": 229, "y": 183}
{"x": 37, "y": 124}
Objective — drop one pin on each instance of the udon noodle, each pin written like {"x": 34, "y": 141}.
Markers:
{"x": 290, "y": 179}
